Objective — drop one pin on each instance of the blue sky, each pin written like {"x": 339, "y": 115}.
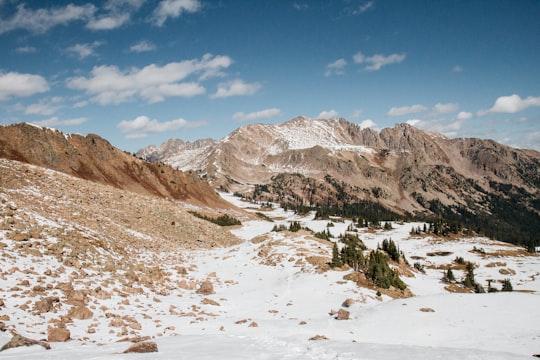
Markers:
{"x": 139, "y": 72}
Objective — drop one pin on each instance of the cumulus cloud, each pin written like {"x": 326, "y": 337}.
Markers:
{"x": 55, "y": 121}
{"x": 83, "y": 51}
{"x": 405, "y": 110}
{"x": 443, "y": 109}
{"x": 173, "y": 9}
{"x": 142, "y": 46}
{"x": 328, "y": 114}
{"x": 142, "y": 125}
{"x": 463, "y": 115}
{"x": 336, "y": 68}
{"x": 511, "y": 104}
{"x": 13, "y": 84}
{"x": 41, "y": 20}
{"x": 153, "y": 83}
{"x": 236, "y": 87}
{"x": 118, "y": 13}
{"x": 450, "y": 128}
{"x": 258, "y": 115}
{"x": 368, "y": 123}
{"x": 377, "y": 61}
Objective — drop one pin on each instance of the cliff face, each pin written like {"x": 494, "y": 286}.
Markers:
{"x": 95, "y": 159}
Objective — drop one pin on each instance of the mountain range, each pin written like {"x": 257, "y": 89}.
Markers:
{"x": 490, "y": 187}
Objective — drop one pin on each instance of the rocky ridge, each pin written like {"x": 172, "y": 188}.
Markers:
{"x": 403, "y": 169}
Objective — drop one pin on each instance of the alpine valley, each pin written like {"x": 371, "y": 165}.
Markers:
{"x": 313, "y": 239}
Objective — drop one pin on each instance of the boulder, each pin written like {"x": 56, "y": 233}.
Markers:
{"x": 142, "y": 347}
{"x": 342, "y": 315}
{"x": 206, "y": 288}
{"x": 58, "y": 334}
{"x": 19, "y": 340}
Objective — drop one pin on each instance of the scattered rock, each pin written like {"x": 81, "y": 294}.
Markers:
{"x": 348, "y": 303}
{"x": 206, "y": 288}
{"x": 19, "y": 340}
{"x": 142, "y": 347}
{"x": 58, "y": 334}
{"x": 426, "y": 309}
{"x": 2, "y": 304}
{"x": 342, "y": 315}
{"x": 318, "y": 337}
{"x": 2, "y": 326}
{"x": 80, "y": 313}
{"x": 253, "y": 324}
{"x": 207, "y": 301}
{"x": 46, "y": 304}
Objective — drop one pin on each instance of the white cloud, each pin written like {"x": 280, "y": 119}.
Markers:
{"x": 362, "y": 8}
{"x": 405, "y": 110}
{"x": 258, "y": 115}
{"x": 44, "y": 107}
{"x": 457, "y": 69}
{"x": 336, "y": 68}
{"x": 377, "y": 61}
{"x": 26, "y": 49}
{"x": 443, "y": 109}
{"x": 463, "y": 115}
{"x": 368, "y": 123}
{"x": 142, "y": 125}
{"x": 153, "y": 83}
{"x": 13, "y": 84}
{"x": 328, "y": 114}
{"x": 450, "y": 128}
{"x": 118, "y": 13}
{"x": 511, "y": 104}
{"x": 236, "y": 87}
{"x": 173, "y": 9}
{"x": 84, "y": 50}
{"x": 142, "y": 46}
{"x": 41, "y": 20}
{"x": 55, "y": 121}
{"x": 300, "y": 6}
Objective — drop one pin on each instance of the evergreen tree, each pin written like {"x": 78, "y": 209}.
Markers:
{"x": 336, "y": 260}
{"x": 450, "y": 275}
{"x": 507, "y": 285}
{"x": 389, "y": 246}
{"x": 380, "y": 273}
{"x": 469, "y": 276}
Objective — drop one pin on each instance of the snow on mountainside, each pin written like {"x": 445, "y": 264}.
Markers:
{"x": 106, "y": 276}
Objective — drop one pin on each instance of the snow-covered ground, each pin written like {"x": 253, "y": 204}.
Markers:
{"x": 271, "y": 298}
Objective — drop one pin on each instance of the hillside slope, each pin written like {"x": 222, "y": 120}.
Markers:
{"x": 93, "y": 158}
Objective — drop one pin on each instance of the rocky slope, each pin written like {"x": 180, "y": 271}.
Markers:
{"x": 93, "y": 158}
{"x": 403, "y": 169}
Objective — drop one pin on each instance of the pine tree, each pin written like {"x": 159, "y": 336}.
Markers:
{"x": 450, "y": 275}
{"x": 336, "y": 260}
{"x": 507, "y": 285}
{"x": 469, "y": 276}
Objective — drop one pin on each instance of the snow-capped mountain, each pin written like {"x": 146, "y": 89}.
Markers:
{"x": 404, "y": 169}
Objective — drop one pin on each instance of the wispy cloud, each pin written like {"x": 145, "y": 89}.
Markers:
{"x": 258, "y": 115}
{"x": 108, "y": 84}
{"x": 82, "y": 51}
{"x": 300, "y": 6}
{"x": 511, "y": 104}
{"x": 117, "y": 13}
{"x": 142, "y": 46}
{"x": 55, "y": 121}
{"x": 236, "y": 87}
{"x": 368, "y": 124}
{"x": 26, "y": 49}
{"x": 14, "y": 84}
{"x": 444, "y": 109}
{"x": 357, "y": 8}
{"x": 45, "y": 107}
{"x": 41, "y": 20}
{"x": 457, "y": 69}
{"x": 377, "y": 61}
{"x": 172, "y": 9}
{"x": 142, "y": 125}
{"x": 336, "y": 68}
{"x": 405, "y": 110}
{"x": 328, "y": 114}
